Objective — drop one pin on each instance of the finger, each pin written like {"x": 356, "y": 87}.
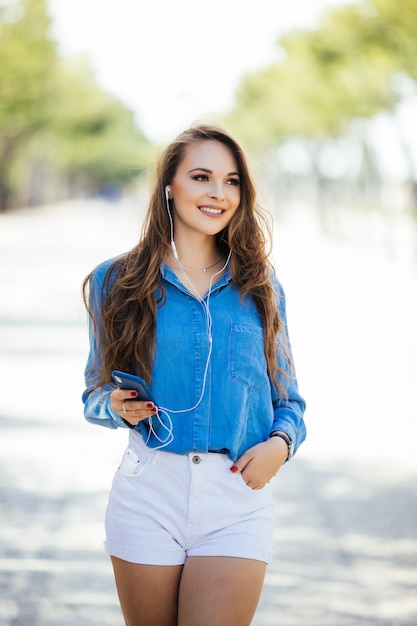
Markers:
{"x": 134, "y": 417}
{"x": 139, "y": 408}
{"x": 123, "y": 394}
{"x": 143, "y": 405}
{"x": 241, "y": 463}
{"x": 253, "y": 481}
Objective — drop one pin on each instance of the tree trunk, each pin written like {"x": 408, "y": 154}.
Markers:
{"x": 4, "y": 188}
{"x": 411, "y": 181}
{"x": 9, "y": 145}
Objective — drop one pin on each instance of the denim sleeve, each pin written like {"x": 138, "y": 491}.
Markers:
{"x": 288, "y": 412}
{"x": 97, "y": 409}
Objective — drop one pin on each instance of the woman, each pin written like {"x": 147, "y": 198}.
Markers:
{"x": 195, "y": 310}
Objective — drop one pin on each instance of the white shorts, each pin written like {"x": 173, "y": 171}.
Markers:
{"x": 164, "y": 507}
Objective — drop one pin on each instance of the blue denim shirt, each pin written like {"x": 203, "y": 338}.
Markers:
{"x": 239, "y": 406}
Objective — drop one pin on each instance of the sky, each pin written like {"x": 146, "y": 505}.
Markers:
{"x": 177, "y": 61}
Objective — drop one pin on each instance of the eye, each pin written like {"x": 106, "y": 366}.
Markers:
{"x": 234, "y": 182}
{"x": 200, "y": 177}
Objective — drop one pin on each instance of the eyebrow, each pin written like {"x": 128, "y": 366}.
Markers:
{"x": 204, "y": 169}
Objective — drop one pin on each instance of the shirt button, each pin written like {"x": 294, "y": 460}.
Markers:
{"x": 196, "y": 459}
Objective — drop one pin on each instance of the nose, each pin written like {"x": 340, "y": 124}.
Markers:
{"x": 216, "y": 190}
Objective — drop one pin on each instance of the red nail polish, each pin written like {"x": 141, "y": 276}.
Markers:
{"x": 234, "y": 469}
{"x": 150, "y": 405}
{"x": 133, "y": 394}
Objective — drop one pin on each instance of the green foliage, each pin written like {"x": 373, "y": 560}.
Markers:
{"x": 342, "y": 71}
{"x": 54, "y": 118}
{"x": 27, "y": 59}
{"x": 93, "y": 131}
{"x": 397, "y": 21}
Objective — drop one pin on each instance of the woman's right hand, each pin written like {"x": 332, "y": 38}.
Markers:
{"x": 133, "y": 411}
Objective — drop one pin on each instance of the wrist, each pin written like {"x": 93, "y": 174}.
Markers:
{"x": 281, "y": 434}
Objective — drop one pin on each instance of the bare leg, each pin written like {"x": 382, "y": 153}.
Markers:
{"x": 148, "y": 594}
{"x": 215, "y": 591}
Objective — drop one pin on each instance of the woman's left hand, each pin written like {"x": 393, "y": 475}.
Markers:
{"x": 261, "y": 462}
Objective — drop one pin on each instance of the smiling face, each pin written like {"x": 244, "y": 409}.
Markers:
{"x": 205, "y": 189}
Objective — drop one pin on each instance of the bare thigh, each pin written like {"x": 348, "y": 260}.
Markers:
{"x": 148, "y": 594}
{"x": 215, "y": 591}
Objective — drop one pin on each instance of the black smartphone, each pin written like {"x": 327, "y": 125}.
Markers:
{"x": 129, "y": 381}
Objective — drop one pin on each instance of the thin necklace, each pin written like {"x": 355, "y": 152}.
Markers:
{"x": 199, "y": 269}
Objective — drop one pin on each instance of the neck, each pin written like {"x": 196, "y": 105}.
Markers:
{"x": 212, "y": 266}
{"x": 198, "y": 255}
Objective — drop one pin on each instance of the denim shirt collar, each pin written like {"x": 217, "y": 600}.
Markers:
{"x": 169, "y": 275}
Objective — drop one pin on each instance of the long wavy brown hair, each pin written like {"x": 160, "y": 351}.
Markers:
{"x": 126, "y": 327}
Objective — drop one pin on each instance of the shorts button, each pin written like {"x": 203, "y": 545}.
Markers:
{"x": 196, "y": 459}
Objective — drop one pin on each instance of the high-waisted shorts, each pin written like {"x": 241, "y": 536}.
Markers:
{"x": 164, "y": 507}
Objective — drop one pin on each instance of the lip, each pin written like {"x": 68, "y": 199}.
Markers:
{"x": 211, "y": 210}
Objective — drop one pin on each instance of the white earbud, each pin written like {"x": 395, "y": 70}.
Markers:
{"x": 173, "y": 246}
{"x": 174, "y": 250}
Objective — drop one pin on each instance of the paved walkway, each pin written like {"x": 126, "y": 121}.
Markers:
{"x": 346, "y": 535}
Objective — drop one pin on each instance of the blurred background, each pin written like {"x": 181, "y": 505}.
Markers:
{"x": 323, "y": 96}
{"x": 321, "y": 93}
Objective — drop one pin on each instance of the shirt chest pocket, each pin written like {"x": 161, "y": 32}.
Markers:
{"x": 246, "y": 356}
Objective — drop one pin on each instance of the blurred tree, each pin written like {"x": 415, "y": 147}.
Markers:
{"x": 347, "y": 69}
{"x": 60, "y": 133}
{"x": 94, "y": 141}
{"x": 393, "y": 28}
{"x": 326, "y": 79}
{"x": 371, "y": 52}
{"x": 27, "y": 61}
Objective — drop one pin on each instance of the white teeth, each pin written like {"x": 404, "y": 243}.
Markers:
{"x": 206, "y": 209}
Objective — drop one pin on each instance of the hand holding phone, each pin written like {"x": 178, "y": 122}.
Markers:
{"x": 129, "y": 381}
{"x": 135, "y": 415}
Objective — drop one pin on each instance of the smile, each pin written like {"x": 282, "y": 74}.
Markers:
{"x": 206, "y": 209}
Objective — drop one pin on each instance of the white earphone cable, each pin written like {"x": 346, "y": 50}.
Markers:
{"x": 209, "y": 324}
